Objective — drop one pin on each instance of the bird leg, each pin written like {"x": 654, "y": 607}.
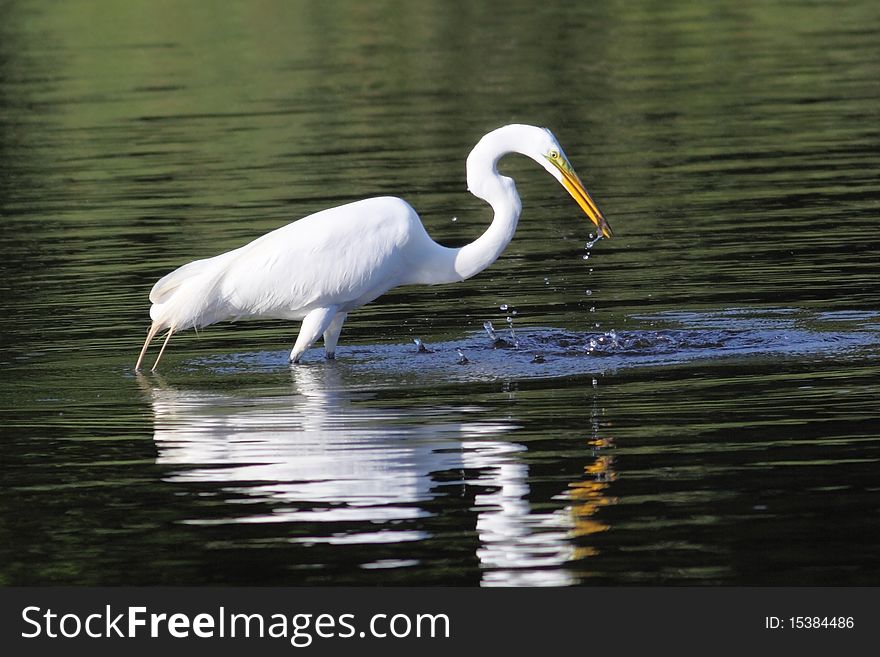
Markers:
{"x": 162, "y": 350}
{"x": 150, "y": 335}
{"x": 314, "y": 324}
{"x": 331, "y": 335}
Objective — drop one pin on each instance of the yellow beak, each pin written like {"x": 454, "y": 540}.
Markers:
{"x": 578, "y": 192}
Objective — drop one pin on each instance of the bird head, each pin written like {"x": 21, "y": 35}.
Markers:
{"x": 549, "y": 154}
{"x": 540, "y": 145}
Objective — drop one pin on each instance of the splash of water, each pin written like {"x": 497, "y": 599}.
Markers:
{"x": 421, "y": 346}
{"x": 612, "y": 337}
{"x": 462, "y": 359}
{"x": 497, "y": 341}
{"x": 512, "y": 332}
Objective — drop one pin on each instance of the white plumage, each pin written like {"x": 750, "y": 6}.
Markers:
{"x": 323, "y": 266}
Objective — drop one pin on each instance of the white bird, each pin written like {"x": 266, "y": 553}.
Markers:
{"x": 325, "y": 265}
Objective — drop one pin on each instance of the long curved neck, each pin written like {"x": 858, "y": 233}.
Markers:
{"x": 484, "y": 182}
{"x": 498, "y": 191}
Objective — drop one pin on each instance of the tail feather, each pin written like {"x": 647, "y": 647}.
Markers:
{"x": 168, "y": 284}
{"x": 190, "y": 296}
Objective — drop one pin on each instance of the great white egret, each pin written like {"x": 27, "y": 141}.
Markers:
{"x": 322, "y": 267}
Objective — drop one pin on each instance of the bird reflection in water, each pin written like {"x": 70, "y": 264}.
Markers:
{"x": 349, "y": 471}
{"x": 590, "y": 494}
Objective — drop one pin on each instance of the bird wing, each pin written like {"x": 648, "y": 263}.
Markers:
{"x": 168, "y": 284}
{"x": 343, "y": 256}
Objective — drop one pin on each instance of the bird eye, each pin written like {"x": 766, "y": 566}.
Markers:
{"x": 554, "y": 155}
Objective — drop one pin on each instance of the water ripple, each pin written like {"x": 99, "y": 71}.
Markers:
{"x": 663, "y": 339}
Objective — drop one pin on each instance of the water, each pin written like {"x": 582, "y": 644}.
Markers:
{"x": 713, "y": 420}
{"x": 420, "y": 346}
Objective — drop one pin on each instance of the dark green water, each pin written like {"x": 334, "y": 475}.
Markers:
{"x": 707, "y": 413}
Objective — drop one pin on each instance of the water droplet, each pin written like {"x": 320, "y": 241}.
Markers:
{"x": 454, "y": 219}
{"x": 595, "y": 382}
{"x": 593, "y": 239}
{"x": 592, "y": 309}
{"x": 513, "y": 339}
{"x": 503, "y": 307}
{"x": 513, "y": 312}
{"x": 588, "y": 292}
{"x": 587, "y": 256}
